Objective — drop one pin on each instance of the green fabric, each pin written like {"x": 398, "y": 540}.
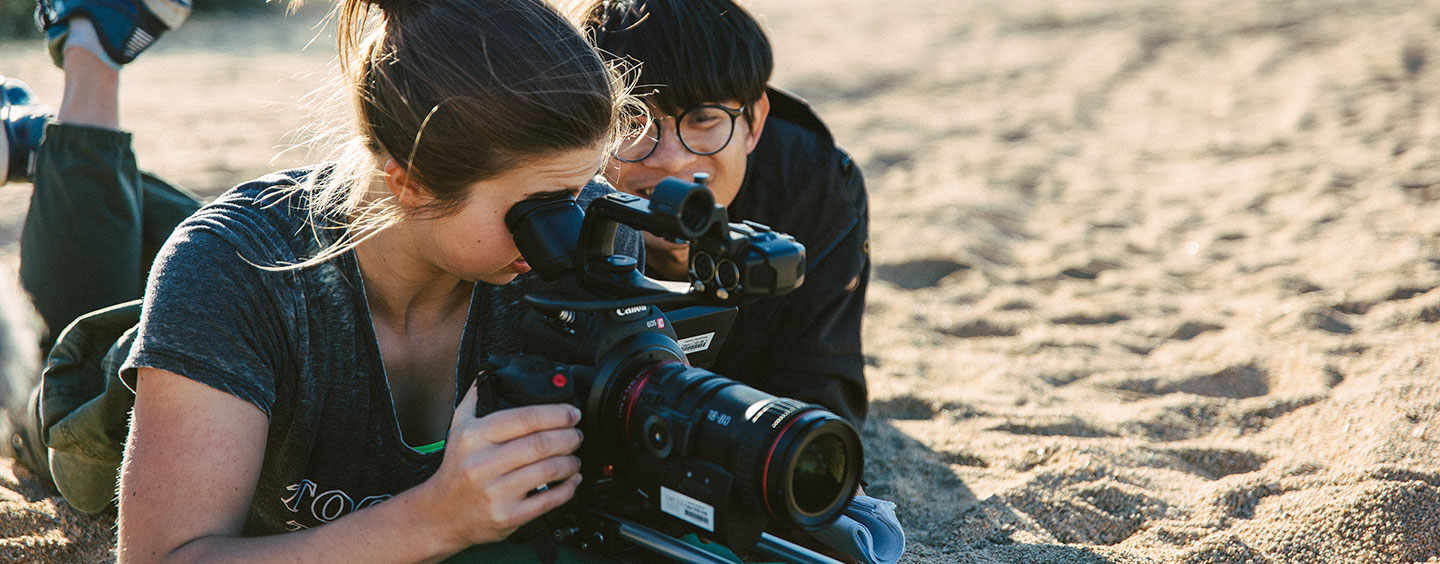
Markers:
{"x": 85, "y": 408}
{"x": 436, "y": 446}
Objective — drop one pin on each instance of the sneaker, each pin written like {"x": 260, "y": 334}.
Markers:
{"x": 23, "y": 118}
{"x": 125, "y": 27}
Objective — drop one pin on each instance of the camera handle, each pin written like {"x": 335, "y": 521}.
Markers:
{"x": 786, "y": 551}
{"x": 679, "y": 551}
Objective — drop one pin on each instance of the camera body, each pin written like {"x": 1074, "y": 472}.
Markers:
{"x": 667, "y": 445}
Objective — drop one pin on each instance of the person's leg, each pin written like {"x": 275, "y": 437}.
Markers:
{"x": 164, "y": 207}
{"x": 80, "y": 247}
{"x": 95, "y": 221}
{"x": 94, "y": 225}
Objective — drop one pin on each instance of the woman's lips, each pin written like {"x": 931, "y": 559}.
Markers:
{"x": 520, "y": 266}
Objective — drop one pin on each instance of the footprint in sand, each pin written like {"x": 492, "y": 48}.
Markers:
{"x": 1216, "y": 463}
{"x": 1234, "y": 382}
{"x": 1109, "y": 318}
{"x": 1094, "y": 511}
{"x": 976, "y": 328}
{"x": 919, "y": 273}
{"x": 1194, "y": 419}
{"x": 905, "y": 408}
{"x": 1064, "y": 427}
{"x": 1191, "y": 329}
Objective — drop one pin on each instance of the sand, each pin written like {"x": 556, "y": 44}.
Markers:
{"x": 1154, "y": 281}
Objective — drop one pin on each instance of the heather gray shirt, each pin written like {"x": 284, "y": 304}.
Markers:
{"x": 300, "y": 346}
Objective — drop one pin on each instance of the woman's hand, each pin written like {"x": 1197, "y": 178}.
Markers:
{"x": 483, "y": 489}
{"x": 194, "y": 456}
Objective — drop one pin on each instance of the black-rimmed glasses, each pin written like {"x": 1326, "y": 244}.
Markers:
{"x": 703, "y": 130}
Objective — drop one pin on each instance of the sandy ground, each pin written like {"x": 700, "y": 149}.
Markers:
{"x": 1155, "y": 281}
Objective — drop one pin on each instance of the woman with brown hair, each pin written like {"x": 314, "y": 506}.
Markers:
{"x": 308, "y": 341}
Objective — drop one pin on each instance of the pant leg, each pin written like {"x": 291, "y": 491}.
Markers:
{"x": 165, "y": 206}
{"x": 94, "y": 224}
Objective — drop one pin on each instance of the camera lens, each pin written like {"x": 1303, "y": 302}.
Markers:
{"x": 814, "y": 467}
{"x": 818, "y": 473}
{"x": 793, "y": 464}
{"x": 687, "y": 208}
{"x": 697, "y": 214}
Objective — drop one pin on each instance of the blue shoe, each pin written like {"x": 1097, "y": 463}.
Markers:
{"x": 125, "y": 27}
{"x": 23, "y": 118}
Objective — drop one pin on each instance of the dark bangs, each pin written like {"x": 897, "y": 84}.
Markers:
{"x": 690, "y": 52}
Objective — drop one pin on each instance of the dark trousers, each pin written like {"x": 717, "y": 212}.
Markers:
{"x": 94, "y": 225}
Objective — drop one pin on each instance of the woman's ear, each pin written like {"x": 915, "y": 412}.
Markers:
{"x": 409, "y": 193}
{"x": 757, "y": 121}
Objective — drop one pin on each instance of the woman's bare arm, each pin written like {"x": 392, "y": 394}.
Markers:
{"x": 193, "y": 459}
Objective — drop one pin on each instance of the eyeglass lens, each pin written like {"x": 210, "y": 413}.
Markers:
{"x": 703, "y": 130}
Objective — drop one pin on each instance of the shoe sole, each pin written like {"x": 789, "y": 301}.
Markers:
{"x": 172, "y": 13}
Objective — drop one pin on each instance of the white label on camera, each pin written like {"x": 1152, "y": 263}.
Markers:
{"x": 697, "y": 343}
{"x": 687, "y": 509}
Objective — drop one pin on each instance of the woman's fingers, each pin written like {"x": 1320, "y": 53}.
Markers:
{"x": 533, "y": 506}
{"x": 539, "y": 474}
{"x": 509, "y": 424}
{"x": 516, "y": 422}
{"x": 504, "y": 457}
{"x": 517, "y": 449}
{"x": 535, "y": 448}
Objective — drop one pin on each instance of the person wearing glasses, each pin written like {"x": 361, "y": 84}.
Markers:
{"x": 706, "y": 65}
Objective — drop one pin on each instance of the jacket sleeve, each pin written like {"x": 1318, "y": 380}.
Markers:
{"x": 825, "y": 363}
{"x": 806, "y": 344}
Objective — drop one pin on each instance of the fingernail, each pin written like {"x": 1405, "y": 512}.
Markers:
{"x": 574, "y": 414}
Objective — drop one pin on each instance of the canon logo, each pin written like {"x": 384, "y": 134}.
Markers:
{"x": 624, "y": 311}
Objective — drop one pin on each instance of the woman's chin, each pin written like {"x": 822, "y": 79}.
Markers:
{"x": 498, "y": 278}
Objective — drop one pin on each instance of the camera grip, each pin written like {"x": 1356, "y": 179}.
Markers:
{"x": 516, "y": 380}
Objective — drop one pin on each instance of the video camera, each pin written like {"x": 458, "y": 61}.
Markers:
{"x": 670, "y": 448}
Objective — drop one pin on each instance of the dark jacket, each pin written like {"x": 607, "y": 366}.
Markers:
{"x": 806, "y": 344}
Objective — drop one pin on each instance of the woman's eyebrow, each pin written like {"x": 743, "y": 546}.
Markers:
{"x": 552, "y": 193}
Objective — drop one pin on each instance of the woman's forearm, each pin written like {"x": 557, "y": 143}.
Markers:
{"x": 394, "y": 531}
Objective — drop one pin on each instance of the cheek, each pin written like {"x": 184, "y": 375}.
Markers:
{"x": 480, "y": 234}
{"x": 617, "y": 173}
{"x": 613, "y": 170}
{"x": 729, "y": 174}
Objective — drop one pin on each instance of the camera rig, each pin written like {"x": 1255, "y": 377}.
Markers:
{"x": 671, "y": 448}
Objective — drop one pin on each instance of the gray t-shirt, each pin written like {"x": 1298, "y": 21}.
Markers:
{"x": 299, "y": 345}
